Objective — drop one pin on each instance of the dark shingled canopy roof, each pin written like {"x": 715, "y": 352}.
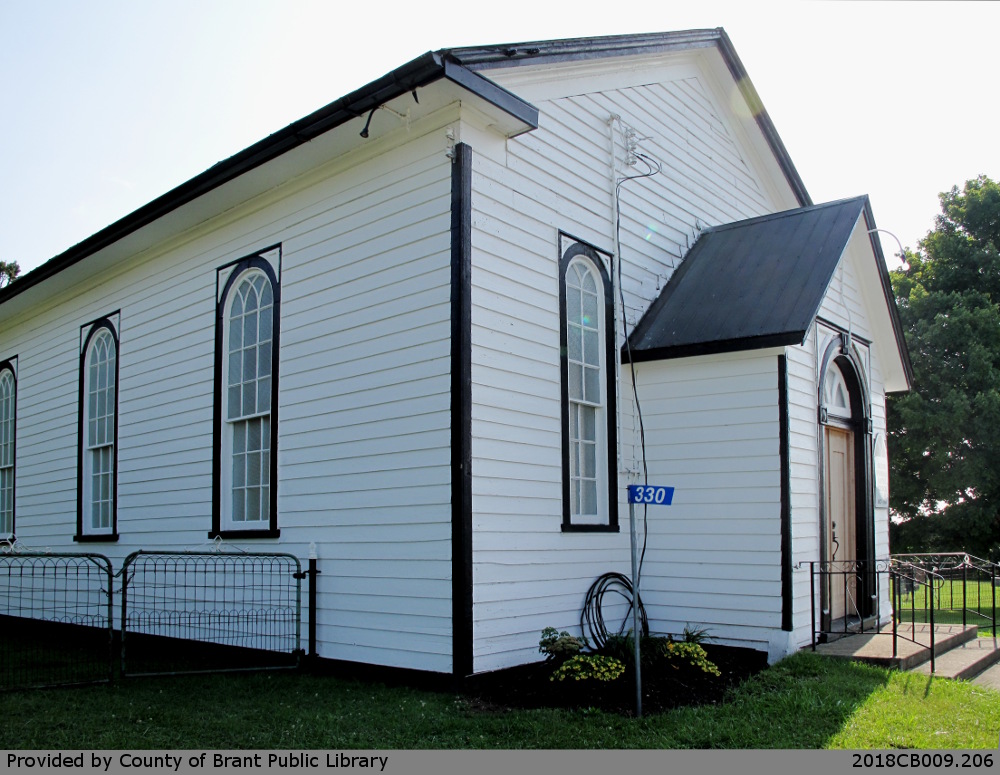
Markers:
{"x": 747, "y": 285}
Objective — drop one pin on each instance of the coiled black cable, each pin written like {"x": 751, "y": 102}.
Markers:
{"x": 592, "y": 616}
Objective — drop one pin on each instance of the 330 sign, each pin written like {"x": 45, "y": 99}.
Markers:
{"x": 651, "y": 495}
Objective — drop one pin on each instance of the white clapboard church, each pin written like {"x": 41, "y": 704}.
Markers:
{"x": 434, "y": 328}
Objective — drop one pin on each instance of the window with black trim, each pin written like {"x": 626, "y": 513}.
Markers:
{"x": 97, "y": 481}
{"x": 8, "y": 431}
{"x": 588, "y": 399}
{"x": 246, "y": 380}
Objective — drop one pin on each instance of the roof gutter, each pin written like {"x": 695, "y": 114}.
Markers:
{"x": 419, "y": 72}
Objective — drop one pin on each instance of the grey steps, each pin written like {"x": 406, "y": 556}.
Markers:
{"x": 963, "y": 661}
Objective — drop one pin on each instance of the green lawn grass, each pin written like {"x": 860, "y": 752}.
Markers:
{"x": 806, "y": 701}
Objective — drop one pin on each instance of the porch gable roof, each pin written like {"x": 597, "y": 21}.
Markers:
{"x": 757, "y": 283}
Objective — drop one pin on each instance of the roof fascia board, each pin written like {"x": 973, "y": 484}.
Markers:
{"x": 767, "y": 127}
{"x": 418, "y": 72}
{"x": 494, "y": 94}
{"x": 557, "y": 80}
{"x": 743, "y": 344}
{"x": 889, "y": 295}
{"x": 866, "y": 223}
{"x": 575, "y": 49}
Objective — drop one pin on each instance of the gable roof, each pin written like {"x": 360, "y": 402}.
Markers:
{"x": 460, "y": 67}
{"x": 757, "y": 283}
{"x": 480, "y": 58}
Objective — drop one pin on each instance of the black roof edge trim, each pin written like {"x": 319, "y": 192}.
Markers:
{"x": 750, "y": 94}
{"x": 418, "y": 72}
{"x": 890, "y": 295}
{"x": 715, "y": 348}
{"x": 794, "y": 212}
{"x": 569, "y": 49}
{"x": 492, "y": 93}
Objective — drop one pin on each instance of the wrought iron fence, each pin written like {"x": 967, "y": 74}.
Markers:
{"x": 925, "y": 590}
{"x": 962, "y": 589}
{"x": 847, "y": 599}
{"x": 209, "y": 611}
{"x": 846, "y": 596}
{"x": 56, "y": 624}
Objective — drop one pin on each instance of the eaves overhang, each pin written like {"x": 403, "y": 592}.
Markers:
{"x": 519, "y": 116}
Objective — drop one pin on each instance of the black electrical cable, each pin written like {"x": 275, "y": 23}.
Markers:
{"x": 616, "y": 583}
{"x": 592, "y": 617}
{"x": 653, "y": 167}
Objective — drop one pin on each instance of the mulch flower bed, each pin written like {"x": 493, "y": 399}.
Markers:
{"x": 672, "y": 684}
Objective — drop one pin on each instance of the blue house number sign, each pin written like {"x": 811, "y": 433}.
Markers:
{"x": 651, "y": 495}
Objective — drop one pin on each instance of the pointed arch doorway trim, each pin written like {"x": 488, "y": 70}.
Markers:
{"x": 847, "y": 515}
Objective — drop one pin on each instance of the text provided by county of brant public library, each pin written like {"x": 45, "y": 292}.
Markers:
{"x": 204, "y": 760}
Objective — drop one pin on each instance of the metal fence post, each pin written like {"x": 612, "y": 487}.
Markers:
{"x": 965, "y": 592}
{"x": 993, "y": 588}
{"x": 313, "y": 572}
{"x": 897, "y": 600}
{"x": 933, "y": 669}
{"x": 812, "y": 600}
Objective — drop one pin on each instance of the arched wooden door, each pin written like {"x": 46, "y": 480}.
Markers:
{"x": 841, "y": 521}
{"x": 847, "y": 540}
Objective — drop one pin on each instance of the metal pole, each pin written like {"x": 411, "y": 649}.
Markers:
{"x": 812, "y": 597}
{"x": 933, "y": 668}
{"x": 313, "y": 571}
{"x": 897, "y": 603}
{"x": 965, "y": 586}
{"x": 636, "y": 634}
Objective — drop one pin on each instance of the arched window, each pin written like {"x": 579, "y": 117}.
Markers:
{"x": 99, "y": 434}
{"x": 836, "y": 397}
{"x": 589, "y": 460}
{"x": 246, "y": 377}
{"x": 8, "y": 408}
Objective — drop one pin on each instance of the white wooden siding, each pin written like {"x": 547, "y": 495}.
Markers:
{"x": 364, "y": 459}
{"x": 713, "y": 558}
{"x": 527, "y": 573}
{"x": 844, "y": 307}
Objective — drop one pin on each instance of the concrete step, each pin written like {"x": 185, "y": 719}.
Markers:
{"x": 963, "y": 661}
{"x": 989, "y": 678}
{"x": 876, "y": 647}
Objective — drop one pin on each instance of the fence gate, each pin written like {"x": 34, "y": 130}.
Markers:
{"x": 55, "y": 619}
{"x": 190, "y": 612}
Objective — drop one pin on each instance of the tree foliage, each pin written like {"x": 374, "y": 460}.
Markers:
{"x": 944, "y": 436}
{"x": 9, "y": 270}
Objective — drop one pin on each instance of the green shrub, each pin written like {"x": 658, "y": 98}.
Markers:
{"x": 655, "y": 649}
{"x": 560, "y": 646}
{"x": 696, "y": 634}
{"x": 688, "y": 651}
{"x": 584, "y": 667}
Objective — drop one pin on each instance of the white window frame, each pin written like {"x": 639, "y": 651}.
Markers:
{"x": 588, "y": 336}
{"x": 226, "y": 521}
{"x": 99, "y": 435}
{"x": 8, "y": 447}
{"x": 577, "y": 403}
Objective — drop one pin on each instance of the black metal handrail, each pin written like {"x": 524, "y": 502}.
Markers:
{"x": 970, "y": 574}
{"x": 862, "y": 610}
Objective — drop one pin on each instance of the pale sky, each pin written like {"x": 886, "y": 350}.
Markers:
{"x": 107, "y": 104}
